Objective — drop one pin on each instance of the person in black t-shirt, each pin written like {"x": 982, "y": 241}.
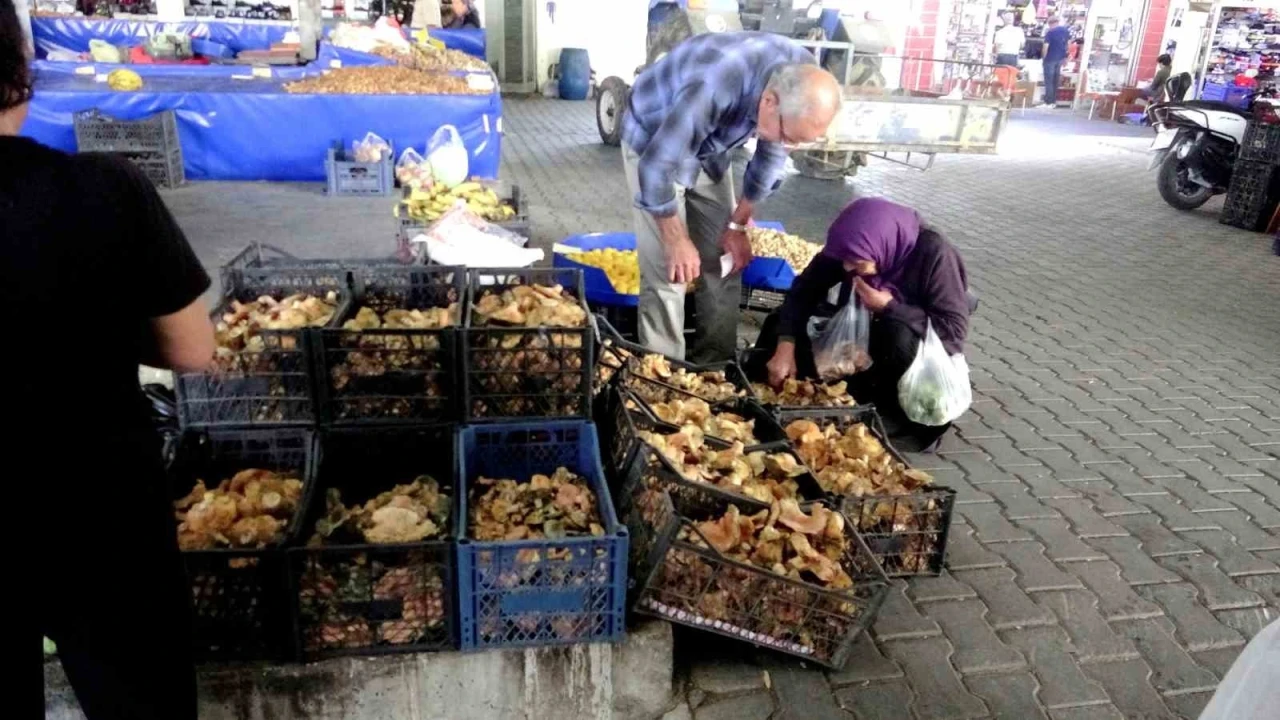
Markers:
{"x": 95, "y": 278}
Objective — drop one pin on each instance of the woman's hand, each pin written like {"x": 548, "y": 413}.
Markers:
{"x": 875, "y": 300}
{"x": 783, "y": 363}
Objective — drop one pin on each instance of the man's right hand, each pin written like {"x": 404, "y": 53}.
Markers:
{"x": 782, "y": 365}
{"x": 683, "y": 262}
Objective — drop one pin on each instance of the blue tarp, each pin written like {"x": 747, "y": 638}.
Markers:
{"x": 73, "y": 34}
{"x": 253, "y": 130}
{"x": 469, "y": 40}
{"x": 51, "y": 68}
{"x": 325, "y": 59}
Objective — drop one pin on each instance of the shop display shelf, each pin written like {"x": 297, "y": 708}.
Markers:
{"x": 239, "y": 597}
{"x": 539, "y": 592}
{"x": 364, "y": 598}
{"x": 525, "y": 372}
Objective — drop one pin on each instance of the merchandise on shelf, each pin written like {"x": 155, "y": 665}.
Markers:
{"x": 1244, "y": 51}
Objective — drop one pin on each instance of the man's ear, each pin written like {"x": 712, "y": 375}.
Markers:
{"x": 769, "y": 99}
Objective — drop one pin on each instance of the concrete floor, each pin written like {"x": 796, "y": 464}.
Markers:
{"x": 1117, "y": 537}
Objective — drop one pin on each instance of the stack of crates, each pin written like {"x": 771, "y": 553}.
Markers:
{"x": 1255, "y": 184}
{"x": 151, "y": 143}
{"x": 354, "y": 407}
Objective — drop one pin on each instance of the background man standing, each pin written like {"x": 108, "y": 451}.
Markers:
{"x": 1056, "y": 39}
{"x": 708, "y": 96}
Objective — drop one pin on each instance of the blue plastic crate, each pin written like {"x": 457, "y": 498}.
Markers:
{"x": 764, "y": 273}
{"x": 1233, "y": 95}
{"x": 599, "y": 288}
{"x": 768, "y": 273}
{"x": 527, "y": 593}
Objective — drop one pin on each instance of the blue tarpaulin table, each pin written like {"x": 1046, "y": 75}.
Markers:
{"x": 72, "y": 34}
{"x": 253, "y": 130}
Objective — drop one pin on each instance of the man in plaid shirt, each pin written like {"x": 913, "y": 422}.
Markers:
{"x": 711, "y": 94}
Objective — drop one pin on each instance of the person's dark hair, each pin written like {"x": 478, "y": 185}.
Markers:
{"x": 1165, "y": 59}
{"x": 15, "y": 73}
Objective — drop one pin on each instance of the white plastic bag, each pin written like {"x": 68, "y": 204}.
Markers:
{"x": 371, "y": 149}
{"x": 935, "y": 389}
{"x": 843, "y": 346}
{"x": 459, "y": 237}
{"x": 448, "y": 157}
{"x": 104, "y": 52}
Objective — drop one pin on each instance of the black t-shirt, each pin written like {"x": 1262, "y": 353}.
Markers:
{"x": 90, "y": 255}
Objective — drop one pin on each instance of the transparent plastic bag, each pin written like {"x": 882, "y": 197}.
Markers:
{"x": 371, "y": 149}
{"x": 413, "y": 171}
{"x": 448, "y": 157}
{"x": 935, "y": 389}
{"x": 843, "y": 346}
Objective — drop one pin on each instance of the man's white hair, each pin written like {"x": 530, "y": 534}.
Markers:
{"x": 788, "y": 82}
{"x": 1008, "y": 18}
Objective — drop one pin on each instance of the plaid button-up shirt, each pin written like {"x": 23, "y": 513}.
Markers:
{"x": 688, "y": 110}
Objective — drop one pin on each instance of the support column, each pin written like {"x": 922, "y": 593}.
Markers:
{"x": 309, "y": 28}
{"x": 24, "y": 21}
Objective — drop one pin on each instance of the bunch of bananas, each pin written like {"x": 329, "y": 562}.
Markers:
{"x": 427, "y": 205}
{"x": 621, "y": 266}
{"x": 124, "y": 80}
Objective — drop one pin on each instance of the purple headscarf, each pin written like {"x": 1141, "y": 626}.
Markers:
{"x": 878, "y": 230}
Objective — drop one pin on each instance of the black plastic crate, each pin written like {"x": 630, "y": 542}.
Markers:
{"x": 273, "y": 385}
{"x": 907, "y": 533}
{"x": 96, "y": 132}
{"x": 260, "y": 263}
{"x": 650, "y": 390}
{"x": 365, "y": 598}
{"x": 526, "y": 372}
{"x": 739, "y": 600}
{"x": 619, "y": 441}
{"x": 393, "y": 376}
{"x": 642, "y": 416}
{"x": 1252, "y": 197}
{"x": 164, "y": 170}
{"x": 519, "y": 224}
{"x": 1261, "y": 143}
{"x": 753, "y": 361}
{"x": 647, "y": 465}
{"x": 525, "y": 593}
{"x": 625, "y": 352}
{"x": 239, "y": 597}
{"x": 761, "y": 299}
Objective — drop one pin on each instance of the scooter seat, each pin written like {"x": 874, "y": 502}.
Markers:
{"x": 1212, "y": 105}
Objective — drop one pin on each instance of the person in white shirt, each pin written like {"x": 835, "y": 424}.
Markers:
{"x": 1009, "y": 42}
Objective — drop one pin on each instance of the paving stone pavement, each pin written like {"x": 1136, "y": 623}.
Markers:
{"x": 1117, "y": 532}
